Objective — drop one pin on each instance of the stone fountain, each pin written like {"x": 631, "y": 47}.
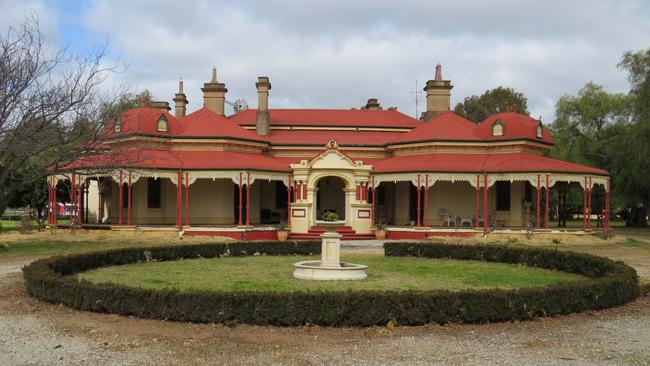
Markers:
{"x": 330, "y": 267}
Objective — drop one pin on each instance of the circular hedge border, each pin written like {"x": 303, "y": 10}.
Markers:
{"x": 608, "y": 284}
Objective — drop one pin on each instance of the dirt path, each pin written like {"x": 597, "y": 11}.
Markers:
{"x": 35, "y": 333}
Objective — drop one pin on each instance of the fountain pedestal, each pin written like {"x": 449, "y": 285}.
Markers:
{"x": 330, "y": 266}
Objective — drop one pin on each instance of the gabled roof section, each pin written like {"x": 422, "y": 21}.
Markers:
{"x": 143, "y": 121}
{"x": 331, "y": 118}
{"x": 445, "y": 126}
{"x": 515, "y": 126}
{"x": 205, "y": 123}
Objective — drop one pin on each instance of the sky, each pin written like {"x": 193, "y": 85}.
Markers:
{"x": 337, "y": 54}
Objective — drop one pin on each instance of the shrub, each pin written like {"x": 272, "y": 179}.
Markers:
{"x": 608, "y": 284}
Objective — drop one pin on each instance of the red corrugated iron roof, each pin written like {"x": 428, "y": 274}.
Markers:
{"x": 445, "y": 126}
{"x": 516, "y": 126}
{"x": 206, "y": 123}
{"x": 163, "y": 159}
{"x": 480, "y": 163}
{"x": 321, "y": 137}
{"x": 331, "y": 117}
{"x": 144, "y": 121}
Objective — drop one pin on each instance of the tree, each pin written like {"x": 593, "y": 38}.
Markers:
{"x": 633, "y": 155}
{"x": 50, "y": 106}
{"x": 478, "y": 108}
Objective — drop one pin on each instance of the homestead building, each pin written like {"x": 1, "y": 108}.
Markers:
{"x": 239, "y": 175}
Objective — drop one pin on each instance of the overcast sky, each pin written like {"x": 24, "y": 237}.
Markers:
{"x": 337, "y": 54}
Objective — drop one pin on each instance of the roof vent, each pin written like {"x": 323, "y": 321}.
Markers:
{"x": 372, "y": 104}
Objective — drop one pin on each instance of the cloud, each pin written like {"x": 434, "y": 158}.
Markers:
{"x": 337, "y": 54}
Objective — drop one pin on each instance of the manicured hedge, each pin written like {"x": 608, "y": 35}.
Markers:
{"x": 608, "y": 284}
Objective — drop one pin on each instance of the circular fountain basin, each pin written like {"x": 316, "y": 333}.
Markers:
{"x": 313, "y": 270}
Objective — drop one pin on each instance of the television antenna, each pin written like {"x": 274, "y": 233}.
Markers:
{"x": 417, "y": 93}
{"x": 238, "y": 105}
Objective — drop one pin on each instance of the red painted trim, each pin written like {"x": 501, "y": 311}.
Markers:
{"x": 120, "y": 219}
{"x": 82, "y": 203}
{"x": 187, "y": 199}
{"x": 539, "y": 198}
{"x": 373, "y": 212}
{"x": 485, "y": 204}
{"x": 358, "y": 194}
{"x": 546, "y": 195}
{"x": 589, "y": 205}
{"x": 129, "y": 219}
{"x": 100, "y": 209}
{"x": 405, "y": 235}
{"x": 304, "y": 190}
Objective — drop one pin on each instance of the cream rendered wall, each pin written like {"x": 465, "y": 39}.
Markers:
{"x": 212, "y": 202}
{"x": 92, "y": 202}
{"x": 402, "y": 203}
{"x": 459, "y": 198}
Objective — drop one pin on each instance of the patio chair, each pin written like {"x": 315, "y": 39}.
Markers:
{"x": 446, "y": 217}
{"x": 466, "y": 220}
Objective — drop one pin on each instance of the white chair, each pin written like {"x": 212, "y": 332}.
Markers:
{"x": 466, "y": 220}
{"x": 446, "y": 217}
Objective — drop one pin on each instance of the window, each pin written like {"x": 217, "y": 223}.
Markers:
{"x": 118, "y": 126}
{"x": 154, "y": 193}
{"x": 497, "y": 128}
{"x": 162, "y": 125}
{"x": 503, "y": 196}
{"x": 540, "y": 130}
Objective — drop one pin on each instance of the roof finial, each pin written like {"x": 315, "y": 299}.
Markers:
{"x": 180, "y": 86}
{"x": 214, "y": 75}
{"x": 438, "y": 72}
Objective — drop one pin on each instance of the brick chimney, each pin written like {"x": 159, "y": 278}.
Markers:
{"x": 162, "y": 105}
{"x": 214, "y": 94}
{"x": 372, "y": 104}
{"x": 180, "y": 101}
{"x": 438, "y": 95}
{"x": 262, "y": 118}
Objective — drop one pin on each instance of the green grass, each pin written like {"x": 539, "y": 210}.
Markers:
{"x": 271, "y": 273}
{"x": 637, "y": 243}
{"x": 47, "y": 248}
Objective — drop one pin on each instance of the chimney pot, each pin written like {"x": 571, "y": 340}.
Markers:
{"x": 180, "y": 101}
{"x": 214, "y": 94}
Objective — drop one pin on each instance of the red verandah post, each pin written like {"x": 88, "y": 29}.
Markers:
{"x": 539, "y": 197}
{"x": 248, "y": 198}
{"x": 187, "y": 199}
{"x": 478, "y": 200}
{"x": 548, "y": 193}
{"x": 289, "y": 202}
{"x": 485, "y": 204}
{"x": 129, "y": 217}
{"x": 120, "y": 219}
{"x": 589, "y": 205}
{"x": 372, "y": 222}
{"x": 240, "y": 197}
{"x": 426, "y": 200}
{"x": 179, "y": 198}
{"x": 584, "y": 206}
{"x": 418, "y": 209}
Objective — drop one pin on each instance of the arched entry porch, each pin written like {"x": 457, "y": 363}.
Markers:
{"x": 331, "y": 198}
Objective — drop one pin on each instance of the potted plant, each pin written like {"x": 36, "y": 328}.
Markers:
{"x": 282, "y": 231}
{"x": 380, "y": 231}
{"x": 330, "y": 216}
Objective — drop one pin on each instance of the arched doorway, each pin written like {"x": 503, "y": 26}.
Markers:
{"x": 330, "y": 197}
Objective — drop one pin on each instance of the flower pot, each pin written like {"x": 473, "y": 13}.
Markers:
{"x": 283, "y": 235}
{"x": 380, "y": 234}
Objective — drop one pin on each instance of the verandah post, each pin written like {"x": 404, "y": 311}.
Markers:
{"x": 289, "y": 201}
{"x": 539, "y": 197}
{"x": 100, "y": 204}
{"x": 607, "y": 204}
{"x": 187, "y": 199}
{"x": 589, "y": 205}
{"x": 478, "y": 200}
{"x": 418, "y": 208}
{"x": 73, "y": 200}
{"x": 372, "y": 221}
{"x": 80, "y": 217}
{"x": 129, "y": 215}
{"x": 426, "y": 200}
{"x": 120, "y": 220}
{"x": 248, "y": 198}
{"x": 240, "y": 197}
{"x": 547, "y": 194}
{"x": 584, "y": 206}
{"x": 179, "y": 194}
{"x": 485, "y": 204}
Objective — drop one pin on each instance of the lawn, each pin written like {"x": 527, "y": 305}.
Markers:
{"x": 272, "y": 273}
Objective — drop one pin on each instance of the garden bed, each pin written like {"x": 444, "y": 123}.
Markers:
{"x": 609, "y": 284}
